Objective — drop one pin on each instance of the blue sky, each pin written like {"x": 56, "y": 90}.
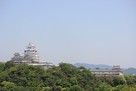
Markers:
{"x": 85, "y": 31}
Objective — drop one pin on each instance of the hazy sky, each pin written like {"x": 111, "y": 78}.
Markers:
{"x": 85, "y": 31}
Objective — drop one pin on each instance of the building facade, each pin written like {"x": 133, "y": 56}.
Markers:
{"x": 115, "y": 71}
{"x": 30, "y": 57}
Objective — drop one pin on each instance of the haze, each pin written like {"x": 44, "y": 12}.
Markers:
{"x": 83, "y": 31}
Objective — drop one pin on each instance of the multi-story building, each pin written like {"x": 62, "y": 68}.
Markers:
{"x": 30, "y": 57}
{"x": 115, "y": 71}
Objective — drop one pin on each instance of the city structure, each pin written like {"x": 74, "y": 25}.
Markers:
{"x": 115, "y": 71}
{"x": 30, "y": 57}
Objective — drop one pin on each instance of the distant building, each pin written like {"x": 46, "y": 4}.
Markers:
{"x": 30, "y": 57}
{"x": 116, "y": 71}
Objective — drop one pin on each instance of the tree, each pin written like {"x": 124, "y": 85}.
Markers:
{"x": 104, "y": 87}
{"x": 65, "y": 89}
{"x": 9, "y": 64}
{"x": 2, "y": 66}
{"x": 75, "y": 88}
{"x": 7, "y": 86}
{"x": 118, "y": 80}
{"x": 57, "y": 88}
{"x": 130, "y": 79}
{"x": 46, "y": 89}
{"x": 125, "y": 88}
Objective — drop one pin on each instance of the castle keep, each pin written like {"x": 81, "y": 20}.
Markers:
{"x": 30, "y": 57}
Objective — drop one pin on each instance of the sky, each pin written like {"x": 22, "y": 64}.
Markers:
{"x": 71, "y": 31}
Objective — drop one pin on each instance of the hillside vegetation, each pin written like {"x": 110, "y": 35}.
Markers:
{"x": 64, "y": 77}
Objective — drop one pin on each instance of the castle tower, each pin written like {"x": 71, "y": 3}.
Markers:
{"x": 31, "y": 54}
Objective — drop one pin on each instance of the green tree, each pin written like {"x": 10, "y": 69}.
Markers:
{"x": 118, "y": 80}
{"x": 7, "y": 86}
{"x": 57, "y": 88}
{"x": 125, "y": 88}
{"x": 75, "y": 88}
{"x": 65, "y": 89}
{"x": 104, "y": 87}
{"x": 46, "y": 89}
{"x": 9, "y": 64}
{"x": 130, "y": 79}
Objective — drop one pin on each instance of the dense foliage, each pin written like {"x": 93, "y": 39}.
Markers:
{"x": 64, "y": 77}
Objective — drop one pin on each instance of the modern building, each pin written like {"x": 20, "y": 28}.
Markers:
{"x": 30, "y": 57}
{"x": 115, "y": 71}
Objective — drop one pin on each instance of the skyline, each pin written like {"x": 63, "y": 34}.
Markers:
{"x": 94, "y": 32}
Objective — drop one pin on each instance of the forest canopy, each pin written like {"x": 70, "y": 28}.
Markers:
{"x": 64, "y": 77}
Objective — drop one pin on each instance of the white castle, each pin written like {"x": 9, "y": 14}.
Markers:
{"x": 30, "y": 57}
